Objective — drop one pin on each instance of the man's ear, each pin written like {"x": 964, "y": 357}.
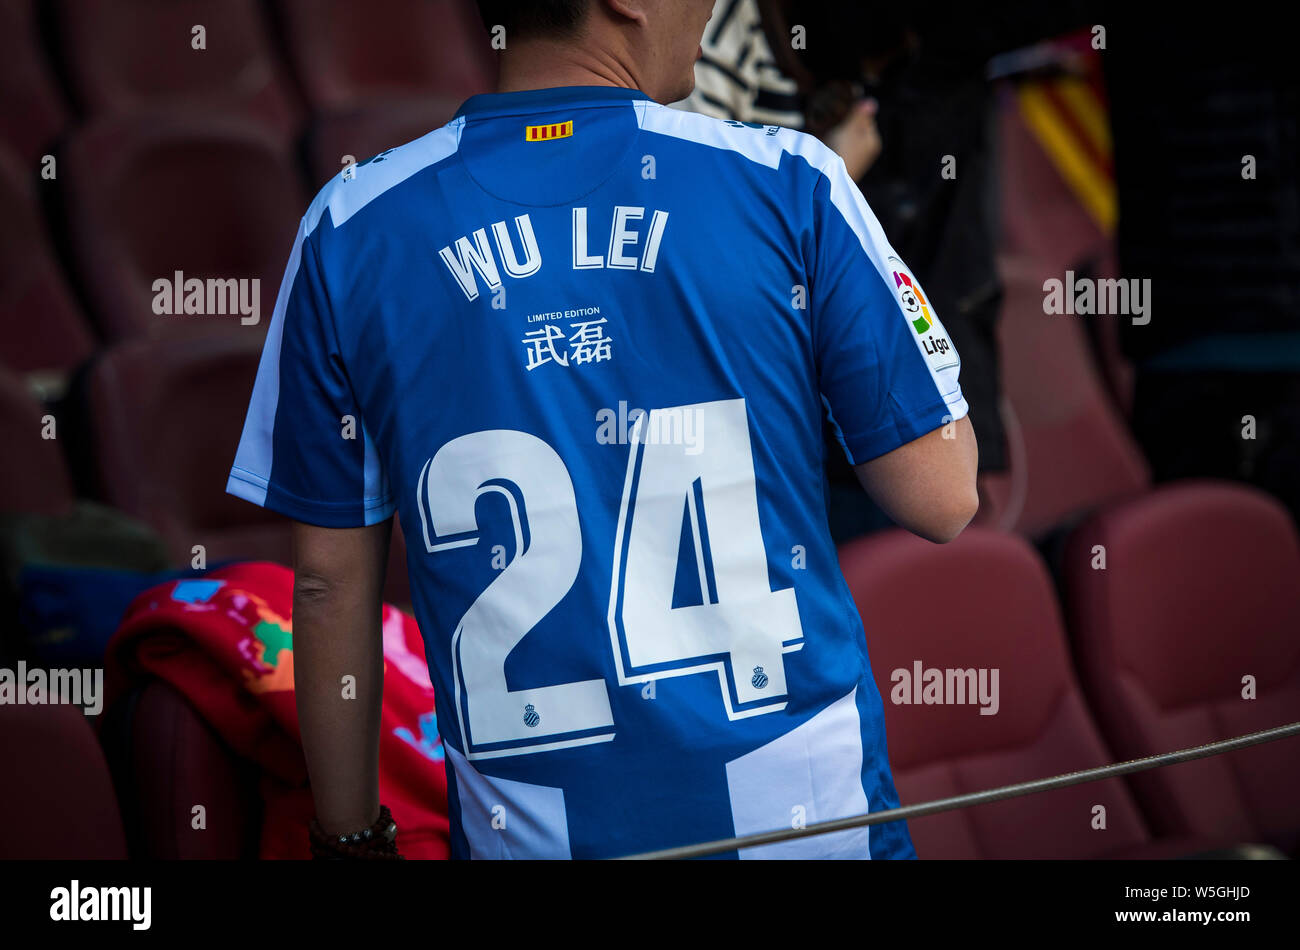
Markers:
{"x": 634, "y": 10}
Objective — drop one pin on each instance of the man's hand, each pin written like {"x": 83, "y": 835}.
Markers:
{"x": 928, "y": 485}
{"x": 337, "y": 631}
{"x": 856, "y": 139}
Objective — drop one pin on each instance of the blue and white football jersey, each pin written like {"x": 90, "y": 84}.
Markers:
{"x": 582, "y": 345}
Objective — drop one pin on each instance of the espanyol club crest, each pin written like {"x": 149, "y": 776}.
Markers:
{"x": 531, "y": 717}
{"x": 760, "y": 678}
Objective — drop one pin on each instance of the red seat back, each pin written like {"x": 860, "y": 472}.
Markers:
{"x": 176, "y": 761}
{"x": 983, "y": 602}
{"x": 124, "y": 55}
{"x": 57, "y": 797}
{"x": 167, "y": 415}
{"x": 1200, "y": 590}
{"x": 1070, "y": 448}
{"x": 151, "y": 195}
{"x": 34, "y": 112}
{"x": 34, "y": 477}
{"x": 349, "y": 54}
{"x": 41, "y": 326}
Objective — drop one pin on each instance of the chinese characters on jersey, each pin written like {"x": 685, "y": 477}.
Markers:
{"x": 585, "y": 342}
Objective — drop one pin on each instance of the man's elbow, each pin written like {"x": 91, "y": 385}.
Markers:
{"x": 947, "y": 521}
{"x": 313, "y": 589}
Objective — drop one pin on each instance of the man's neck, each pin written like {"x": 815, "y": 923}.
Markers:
{"x": 544, "y": 64}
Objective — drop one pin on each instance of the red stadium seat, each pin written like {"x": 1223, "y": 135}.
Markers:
{"x": 151, "y": 196}
{"x": 166, "y": 759}
{"x": 985, "y": 601}
{"x": 34, "y": 477}
{"x": 1070, "y": 448}
{"x": 124, "y": 55}
{"x": 167, "y": 415}
{"x": 370, "y": 131}
{"x": 351, "y": 54}
{"x": 34, "y": 112}
{"x": 57, "y": 797}
{"x": 41, "y": 326}
{"x": 397, "y": 581}
{"x": 1074, "y": 447}
{"x": 1201, "y": 588}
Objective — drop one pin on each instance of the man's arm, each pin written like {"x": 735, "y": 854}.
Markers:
{"x": 928, "y": 485}
{"x": 337, "y": 631}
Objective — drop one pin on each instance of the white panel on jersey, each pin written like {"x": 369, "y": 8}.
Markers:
{"x": 358, "y": 185}
{"x": 810, "y": 774}
{"x": 249, "y": 478}
{"x": 502, "y": 818}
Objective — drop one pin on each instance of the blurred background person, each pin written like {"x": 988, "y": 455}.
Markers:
{"x": 904, "y": 101}
{"x": 737, "y": 77}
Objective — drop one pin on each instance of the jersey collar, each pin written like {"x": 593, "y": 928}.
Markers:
{"x": 542, "y": 100}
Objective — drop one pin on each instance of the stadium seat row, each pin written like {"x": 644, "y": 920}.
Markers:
{"x": 1127, "y": 682}
{"x": 270, "y": 63}
{"x": 146, "y": 197}
{"x": 160, "y": 417}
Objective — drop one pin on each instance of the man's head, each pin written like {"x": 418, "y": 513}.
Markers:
{"x": 649, "y": 44}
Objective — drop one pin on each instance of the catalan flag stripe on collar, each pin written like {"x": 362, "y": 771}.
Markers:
{"x": 556, "y": 130}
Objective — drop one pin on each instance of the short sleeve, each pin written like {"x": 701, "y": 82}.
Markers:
{"x": 887, "y": 368}
{"x": 305, "y": 451}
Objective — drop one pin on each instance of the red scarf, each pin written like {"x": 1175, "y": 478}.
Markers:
{"x": 225, "y": 642}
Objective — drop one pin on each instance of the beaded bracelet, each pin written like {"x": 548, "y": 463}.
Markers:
{"x": 378, "y": 842}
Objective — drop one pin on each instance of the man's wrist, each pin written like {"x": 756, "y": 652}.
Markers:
{"x": 376, "y": 841}
{"x": 350, "y": 822}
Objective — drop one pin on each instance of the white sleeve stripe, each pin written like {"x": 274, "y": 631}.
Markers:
{"x": 376, "y": 481}
{"x": 257, "y": 441}
{"x": 345, "y": 196}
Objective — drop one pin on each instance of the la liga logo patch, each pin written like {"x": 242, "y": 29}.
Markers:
{"x": 931, "y": 337}
{"x": 910, "y": 296}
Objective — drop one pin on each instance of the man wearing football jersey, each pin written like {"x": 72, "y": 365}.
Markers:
{"x": 582, "y": 344}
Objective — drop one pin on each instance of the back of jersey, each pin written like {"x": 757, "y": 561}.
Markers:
{"x": 587, "y": 343}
